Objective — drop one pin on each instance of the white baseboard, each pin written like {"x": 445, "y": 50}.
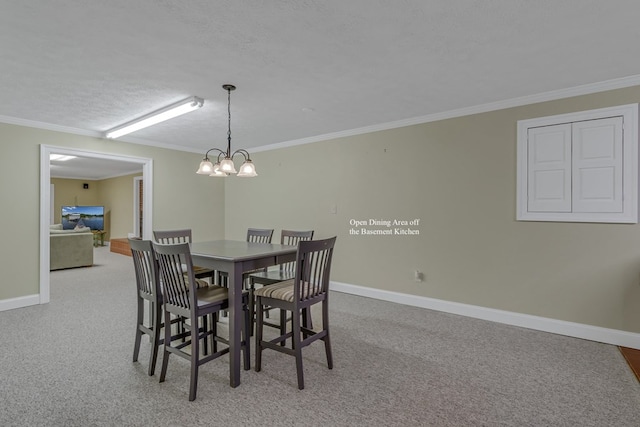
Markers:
{"x": 25, "y": 301}
{"x": 561, "y": 327}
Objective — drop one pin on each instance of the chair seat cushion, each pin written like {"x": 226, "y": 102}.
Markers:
{"x": 199, "y": 282}
{"x": 282, "y": 291}
{"x": 212, "y": 295}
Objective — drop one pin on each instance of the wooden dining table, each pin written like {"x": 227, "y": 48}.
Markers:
{"x": 236, "y": 257}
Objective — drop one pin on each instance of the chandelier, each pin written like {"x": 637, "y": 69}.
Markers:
{"x": 224, "y": 165}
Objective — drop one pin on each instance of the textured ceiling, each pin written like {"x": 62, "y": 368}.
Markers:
{"x": 303, "y": 68}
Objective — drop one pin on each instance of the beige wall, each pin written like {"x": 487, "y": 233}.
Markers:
{"x": 176, "y": 189}
{"x": 457, "y": 176}
{"x": 116, "y": 195}
{"x": 69, "y": 192}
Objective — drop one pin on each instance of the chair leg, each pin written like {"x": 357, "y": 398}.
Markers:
{"x": 195, "y": 355}
{"x": 156, "y": 327}
{"x": 140, "y": 317}
{"x": 283, "y": 325}
{"x": 326, "y": 339}
{"x": 222, "y": 280}
{"x": 259, "y": 327}
{"x": 308, "y": 319}
{"x": 214, "y": 330}
{"x": 182, "y": 328}
{"x": 167, "y": 343}
{"x": 251, "y": 308}
{"x": 297, "y": 347}
{"x": 246, "y": 337}
{"x": 205, "y": 329}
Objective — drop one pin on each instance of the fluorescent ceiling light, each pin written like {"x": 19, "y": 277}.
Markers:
{"x": 60, "y": 157}
{"x": 174, "y": 110}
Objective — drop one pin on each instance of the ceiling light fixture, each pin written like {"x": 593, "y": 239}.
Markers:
{"x": 225, "y": 167}
{"x": 173, "y": 110}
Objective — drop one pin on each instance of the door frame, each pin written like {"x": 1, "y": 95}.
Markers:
{"x": 137, "y": 182}
{"x": 45, "y": 201}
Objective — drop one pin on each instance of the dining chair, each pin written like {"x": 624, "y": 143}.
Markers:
{"x": 256, "y": 235}
{"x": 310, "y": 286}
{"x": 148, "y": 289}
{"x": 285, "y": 271}
{"x": 182, "y": 297}
{"x": 183, "y": 236}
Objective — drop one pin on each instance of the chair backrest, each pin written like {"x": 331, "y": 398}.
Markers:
{"x": 173, "y": 236}
{"x": 259, "y": 235}
{"x": 146, "y": 268}
{"x": 313, "y": 269}
{"x": 292, "y": 238}
{"x": 176, "y": 272}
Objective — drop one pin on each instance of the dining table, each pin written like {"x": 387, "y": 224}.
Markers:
{"x": 236, "y": 257}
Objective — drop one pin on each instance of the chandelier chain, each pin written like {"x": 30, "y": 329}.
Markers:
{"x": 229, "y": 111}
{"x": 229, "y": 115}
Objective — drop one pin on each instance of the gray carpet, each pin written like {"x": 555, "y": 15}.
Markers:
{"x": 68, "y": 363}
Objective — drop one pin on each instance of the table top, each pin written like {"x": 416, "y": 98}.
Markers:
{"x": 236, "y": 250}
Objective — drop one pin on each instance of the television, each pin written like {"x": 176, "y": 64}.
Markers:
{"x": 88, "y": 216}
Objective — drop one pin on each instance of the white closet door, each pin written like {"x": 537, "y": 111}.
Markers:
{"x": 549, "y": 169}
{"x": 597, "y": 165}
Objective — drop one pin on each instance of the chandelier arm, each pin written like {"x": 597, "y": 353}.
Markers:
{"x": 206, "y": 155}
{"x": 244, "y": 153}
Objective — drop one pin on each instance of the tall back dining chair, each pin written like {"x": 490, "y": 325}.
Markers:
{"x": 183, "y": 236}
{"x": 309, "y": 287}
{"x": 182, "y": 297}
{"x": 255, "y": 235}
{"x": 285, "y": 271}
{"x": 148, "y": 289}
{"x": 259, "y": 235}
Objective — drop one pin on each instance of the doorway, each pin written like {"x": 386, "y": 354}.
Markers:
{"x": 45, "y": 201}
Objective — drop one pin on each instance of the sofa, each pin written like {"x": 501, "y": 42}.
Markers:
{"x": 70, "y": 248}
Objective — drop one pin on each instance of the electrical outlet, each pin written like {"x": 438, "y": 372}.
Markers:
{"x": 418, "y": 276}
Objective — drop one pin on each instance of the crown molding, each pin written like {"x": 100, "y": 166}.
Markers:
{"x": 586, "y": 89}
{"x": 48, "y": 126}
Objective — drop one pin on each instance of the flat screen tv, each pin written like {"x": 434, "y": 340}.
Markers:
{"x": 89, "y": 216}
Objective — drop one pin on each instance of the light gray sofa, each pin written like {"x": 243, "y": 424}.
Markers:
{"x": 70, "y": 248}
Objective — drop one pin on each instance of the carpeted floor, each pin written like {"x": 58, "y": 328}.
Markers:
{"x": 68, "y": 363}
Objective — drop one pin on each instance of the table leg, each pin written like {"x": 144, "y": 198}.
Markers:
{"x": 235, "y": 322}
